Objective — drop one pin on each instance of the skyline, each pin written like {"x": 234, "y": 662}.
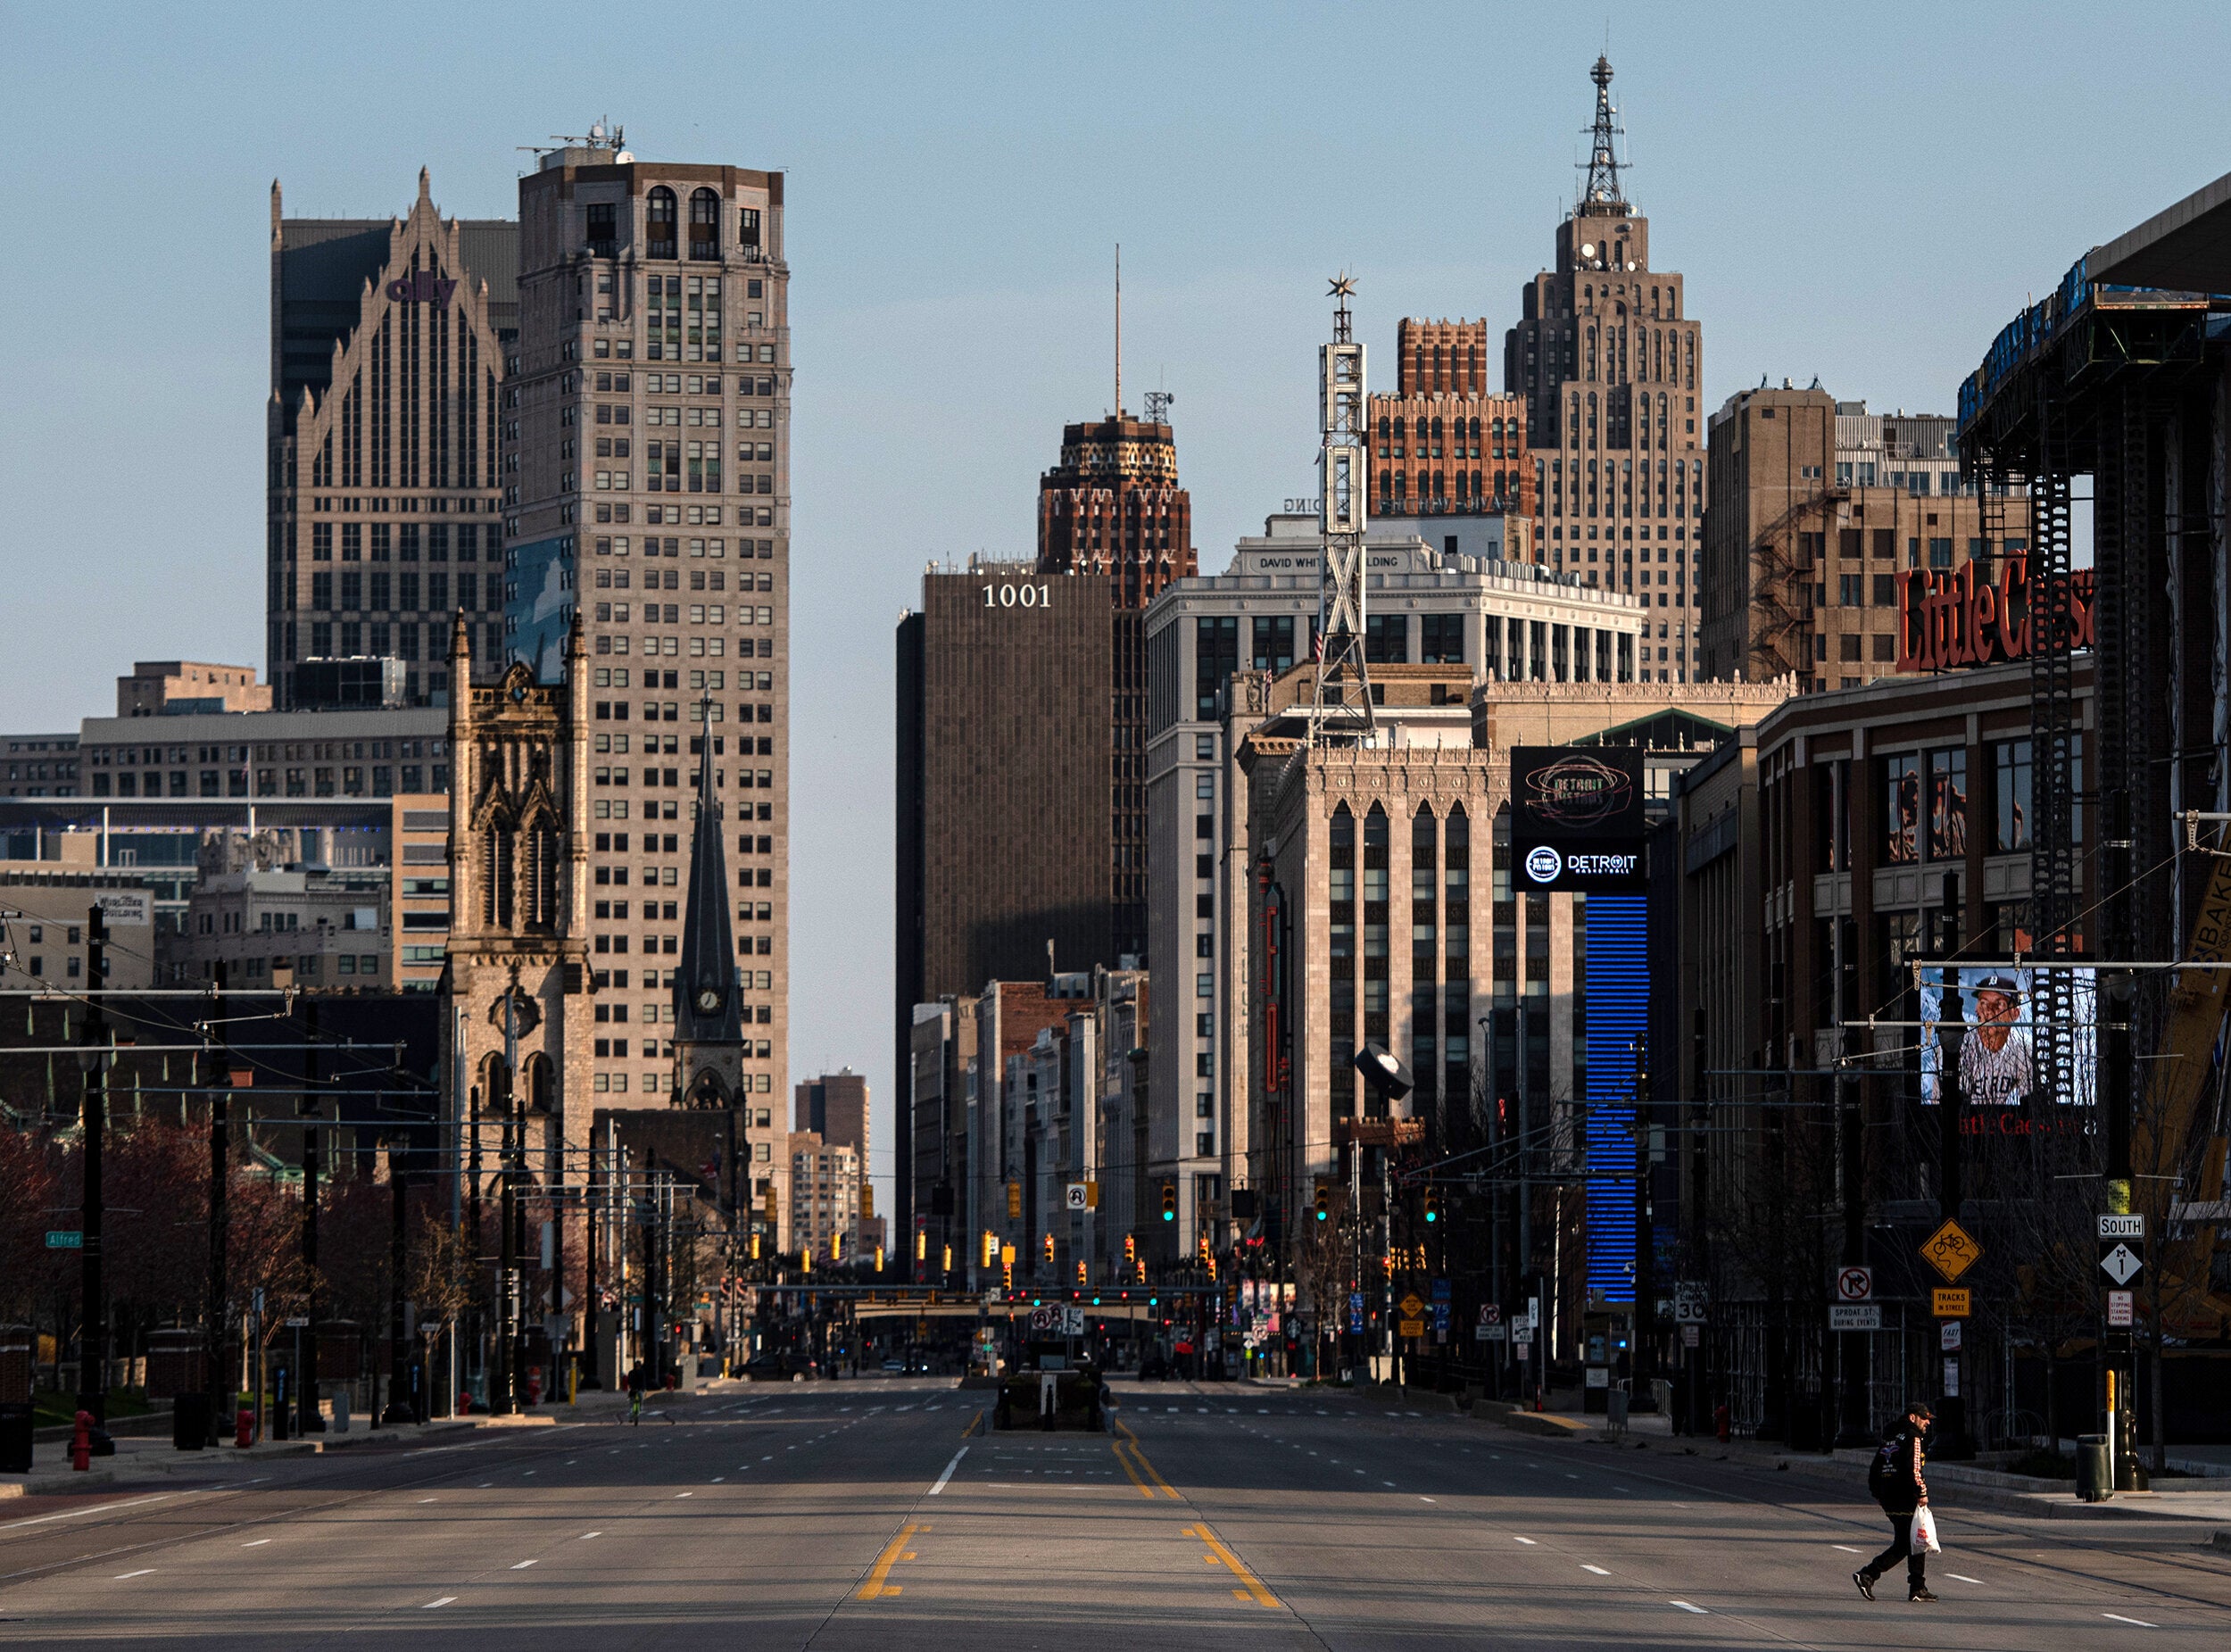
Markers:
{"x": 941, "y": 348}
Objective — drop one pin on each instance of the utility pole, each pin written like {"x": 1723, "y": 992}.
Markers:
{"x": 1952, "y": 1424}
{"x": 93, "y": 1388}
{"x": 1646, "y": 1330}
{"x": 398, "y": 1410}
{"x": 312, "y": 1107}
{"x": 504, "y": 1392}
{"x": 2115, "y": 1096}
{"x": 1852, "y": 1346}
{"x": 219, "y": 1214}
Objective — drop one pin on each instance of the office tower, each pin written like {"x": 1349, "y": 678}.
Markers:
{"x": 388, "y": 344}
{"x": 1605, "y": 355}
{"x": 1443, "y": 445}
{"x": 645, "y": 480}
{"x": 1112, "y": 506}
{"x": 1005, "y": 680}
{"x": 1818, "y": 508}
{"x": 834, "y": 1107}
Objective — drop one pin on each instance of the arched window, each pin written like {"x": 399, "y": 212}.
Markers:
{"x": 493, "y": 1093}
{"x": 660, "y": 214}
{"x": 1343, "y": 832}
{"x": 1399, "y": 428}
{"x": 1436, "y": 427}
{"x": 542, "y": 1085}
{"x": 1382, "y": 426}
{"x": 495, "y": 875}
{"x": 1423, "y": 831}
{"x": 704, "y": 224}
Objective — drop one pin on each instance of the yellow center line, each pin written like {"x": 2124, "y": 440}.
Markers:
{"x": 1147, "y": 1463}
{"x": 971, "y": 1429}
{"x": 896, "y": 1550}
{"x": 1253, "y": 1589}
{"x": 1145, "y": 1491}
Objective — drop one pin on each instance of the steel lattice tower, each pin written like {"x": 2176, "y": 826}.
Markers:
{"x": 1341, "y": 712}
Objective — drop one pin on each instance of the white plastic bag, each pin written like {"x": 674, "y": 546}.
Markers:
{"x": 1925, "y": 1532}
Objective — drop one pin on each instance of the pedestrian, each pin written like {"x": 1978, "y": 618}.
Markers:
{"x": 1895, "y": 1480}
{"x": 637, "y": 1380}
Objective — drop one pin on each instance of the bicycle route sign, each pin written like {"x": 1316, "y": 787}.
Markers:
{"x": 1950, "y": 1250}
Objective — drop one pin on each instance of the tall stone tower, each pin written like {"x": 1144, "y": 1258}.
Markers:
{"x": 1605, "y": 354}
{"x": 518, "y": 936}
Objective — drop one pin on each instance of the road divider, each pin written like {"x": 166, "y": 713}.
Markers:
{"x": 878, "y": 1583}
{"x": 1250, "y": 1585}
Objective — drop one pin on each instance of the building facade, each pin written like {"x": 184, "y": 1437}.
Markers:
{"x": 40, "y": 766}
{"x": 1443, "y": 443}
{"x": 1605, "y": 355}
{"x": 1436, "y": 623}
{"x": 1818, "y": 507}
{"x": 267, "y": 754}
{"x": 45, "y": 911}
{"x": 176, "y": 687}
{"x": 389, "y": 341}
{"x": 646, "y": 451}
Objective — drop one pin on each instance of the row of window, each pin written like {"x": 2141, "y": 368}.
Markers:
{"x": 377, "y": 780}
{"x": 679, "y": 384}
{"x": 384, "y": 592}
{"x": 401, "y": 543}
{"x": 670, "y": 547}
{"x": 746, "y": 516}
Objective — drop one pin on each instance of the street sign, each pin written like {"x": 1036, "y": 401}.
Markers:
{"x": 1412, "y": 1327}
{"x": 298, "y": 1321}
{"x": 1948, "y": 1304}
{"x": 1412, "y": 1306}
{"x": 64, "y": 1239}
{"x": 2121, "y": 1263}
{"x": 1485, "y": 1331}
{"x": 1854, "y": 1284}
{"x": 1075, "y": 1193}
{"x": 2119, "y": 1304}
{"x": 1950, "y": 1250}
{"x": 2122, "y": 1228}
{"x": 1491, "y": 1312}
{"x": 1440, "y": 1317}
{"x": 1441, "y": 1290}
{"x": 1948, "y": 1336}
{"x": 1356, "y": 1311}
{"x": 1691, "y": 1335}
{"x": 1690, "y": 1301}
{"x": 1854, "y": 1316}
{"x": 1952, "y": 1378}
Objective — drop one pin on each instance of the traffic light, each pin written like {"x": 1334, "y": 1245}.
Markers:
{"x": 755, "y": 1247}
{"x": 805, "y": 1259}
{"x": 1432, "y": 1204}
{"x": 1169, "y": 1201}
{"x": 1007, "y": 1263}
{"x": 1014, "y": 1201}
{"x": 879, "y": 1258}
{"x": 1131, "y": 1250}
{"x": 1081, "y": 1279}
{"x": 921, "y": 1244}
{"x": 1049, "y": 1250}
{"x": 1323, "y": 1209}
{"x": 836, "y": 1247}
{"x": 948, "y": 1264}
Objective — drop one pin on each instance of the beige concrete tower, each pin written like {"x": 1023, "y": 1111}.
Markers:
{"x": 646, "y": 483}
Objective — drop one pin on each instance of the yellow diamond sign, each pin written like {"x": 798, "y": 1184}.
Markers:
{"x": 1950, "y": 1250}
{"x": 1412, "y": 1308}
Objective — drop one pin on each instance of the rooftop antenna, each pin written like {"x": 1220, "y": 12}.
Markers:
{"x": 1119, "y": 329}
{"x": 1601, "y": 186}
{"x": 1340, "y": 710}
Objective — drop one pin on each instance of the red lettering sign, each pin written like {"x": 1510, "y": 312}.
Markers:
{"x": 1965, "y": 618}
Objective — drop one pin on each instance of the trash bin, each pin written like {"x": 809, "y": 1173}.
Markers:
{"x": 15, "y": 1438}
{"x": 189, "y": 1422}
{"x": 2091, "y": 1468}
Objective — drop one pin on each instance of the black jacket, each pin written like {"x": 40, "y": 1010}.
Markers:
{"x": 1894, "y": 1479}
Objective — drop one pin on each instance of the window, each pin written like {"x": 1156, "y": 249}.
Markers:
{"x": 1851, "y": 590}
{"x": 1274, "y": 643}
{"x": 1215, "y": 657}
{"x": 1386, "y": 638}
{"x": 1848, "y": 646}
{"x": 1441, "y": 639}
{"x": 1948, "y": 804}
{"x": 603, "y": 230}
{"x": 704, "y": 224}
{"x": 1940, "y": 552}
{"x": 2010, "y": 796}
{"x": 1902, "y": 809}
{"x": 660, "y": 213}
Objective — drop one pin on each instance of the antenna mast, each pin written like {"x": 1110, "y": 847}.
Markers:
{"x": 1341, "y": 714}
{"x": 1119, "y": 329}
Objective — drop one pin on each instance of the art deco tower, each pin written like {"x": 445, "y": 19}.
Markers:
{"x": 1606, "y": 357}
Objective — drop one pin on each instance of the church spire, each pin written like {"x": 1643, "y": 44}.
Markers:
{"x": 705, "y": 1008}
{"x": 1601, "y": 191}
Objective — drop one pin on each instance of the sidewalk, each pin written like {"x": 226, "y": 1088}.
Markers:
{"x": 151, "y": 1460}
{"x": 2198, "y": 1501}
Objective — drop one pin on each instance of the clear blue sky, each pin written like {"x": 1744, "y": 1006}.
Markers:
{"x": 1862, "y": 194}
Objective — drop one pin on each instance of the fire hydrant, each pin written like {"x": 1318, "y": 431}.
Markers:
{"x": 244, "y": 1427}
{"x": 534, "y": 1385}
{"x": 1722, "y": 1423}
{"x": 81, "y": 1442}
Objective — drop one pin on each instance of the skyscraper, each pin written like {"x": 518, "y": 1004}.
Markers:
{"x": 388, "y": 343}
{"x": 645, "y": 481}
{"x": 1443, "y": 443}
{"x": 1112, "y": 506}
{"x": 1606, "y": 354}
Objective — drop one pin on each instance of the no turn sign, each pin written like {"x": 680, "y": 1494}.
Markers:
{"x": 1854, "y": 1284}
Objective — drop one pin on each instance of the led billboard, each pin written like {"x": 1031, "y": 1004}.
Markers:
{"x": 1979, "y": 1029}
{"x": 1577, "y": 819}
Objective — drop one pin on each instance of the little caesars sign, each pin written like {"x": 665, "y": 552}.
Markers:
{"x": 1966, "y": 618}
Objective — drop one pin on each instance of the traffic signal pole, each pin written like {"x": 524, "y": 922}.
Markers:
{"x": 1952, "y": 1440}
{"x": 93, "y": 1388}
{"x": 1645, "y": 1363}
{"x": 221, "y": 1394}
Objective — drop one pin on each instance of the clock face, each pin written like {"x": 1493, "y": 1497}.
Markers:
{"x": 708, "y": 1000}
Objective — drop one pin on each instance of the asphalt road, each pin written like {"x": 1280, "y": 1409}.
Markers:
{"x": 879, "y": 1515}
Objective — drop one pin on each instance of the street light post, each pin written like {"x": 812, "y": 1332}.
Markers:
{"x": 219, "y": 1212}
{"x": 93, "y": 1334}
{"x": 309, "y": 1420}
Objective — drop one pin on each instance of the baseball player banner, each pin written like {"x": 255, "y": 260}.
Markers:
{"x": 1978, "y": 1033}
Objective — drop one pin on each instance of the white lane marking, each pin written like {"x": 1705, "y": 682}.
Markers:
{"x": 1597, "y": 1569}
{"x": 1526, "y": 1541}
{"x": 1425, "y": 1500}
{"x": 525, "y": 1563}
{"x": 259, "y": 1543}
{"x": 484, "y": 1485}
{"x": 1685, "y": 1606}
{"x": 1847, "y": 1549}
{"x": 947, "y": 1475}
{"x": 143, "y": 1571}
{"x": 2140, "y": 1621}
{"x": 1572, "y": 1476}
{"x": 1963, "y": 1577}
{"x": 718, "y": 1477}
{"x": 425, "y": 1499}
{"x": 1386, "y": 1483}
{"x": 684, "y": 1494}
{"x": 443, "y": 1601}
{"x": 585, "y": 1536}
{"x": 767, "y": 1459}
{"x": 96, "y": 1508}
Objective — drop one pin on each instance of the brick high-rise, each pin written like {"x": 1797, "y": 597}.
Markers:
{"x": 1443, "y": 443}
{"x": 1605, "y": 355}
{"x": 388, "y": 341}
{"x": 646, "y": 480}
{"x": 1112, "y": 506}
